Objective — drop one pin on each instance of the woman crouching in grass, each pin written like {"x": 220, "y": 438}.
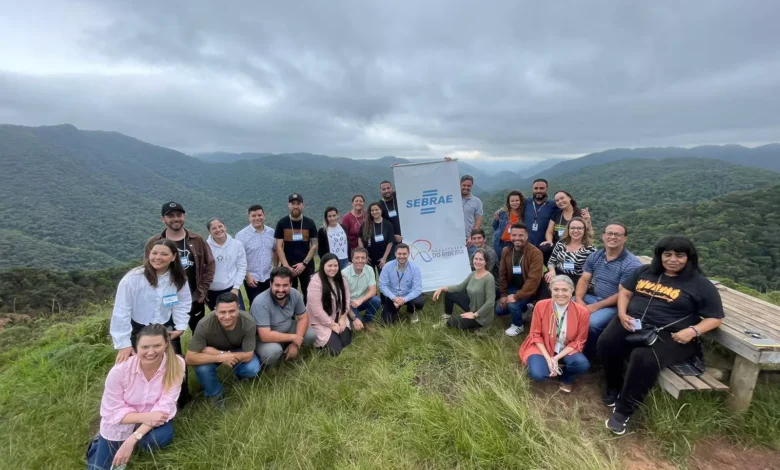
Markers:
{"x": 559, "y": 329}
{"x": 139, "y": 401}
{"x": 476, "y": 295}
{"x": 328, "y": 307}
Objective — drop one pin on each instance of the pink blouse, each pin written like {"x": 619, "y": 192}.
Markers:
{"x": 128, "y": 391}
{"x": 319, "y": 319}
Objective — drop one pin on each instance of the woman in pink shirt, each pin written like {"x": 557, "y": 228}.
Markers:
{"x": 139, "y": 401}
{"x": 328, "y": 306}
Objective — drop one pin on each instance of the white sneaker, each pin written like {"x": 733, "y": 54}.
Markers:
{"x": 514, "y": 330}
{"x": 415, "y": 317}
{"x": 445, "y": 316}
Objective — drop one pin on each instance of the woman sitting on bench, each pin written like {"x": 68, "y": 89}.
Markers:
{"x": 662, "y": 310}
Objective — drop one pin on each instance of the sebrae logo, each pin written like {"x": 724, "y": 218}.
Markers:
{"x": 424, "y": 250}
{"x": 428, "y": 202}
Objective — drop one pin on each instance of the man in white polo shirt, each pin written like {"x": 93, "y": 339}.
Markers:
{"x": 362, "y": 288}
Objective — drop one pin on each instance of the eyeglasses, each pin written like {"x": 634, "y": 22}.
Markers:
{"x": 614, "y": 234}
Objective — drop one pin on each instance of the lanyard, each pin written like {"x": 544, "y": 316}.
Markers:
{"x": 400, "y": 275}
{"x": 380, "y": 228}
{"x": 536, "y": 210}
{"x": 560, "y": 322}
{"x": 515, "y": 263}
{"x": 293, "y": 228}
{"x": 387, "y": 208}
{"x": 466, "y": 200}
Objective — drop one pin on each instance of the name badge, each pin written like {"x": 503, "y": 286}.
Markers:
{"x": 568, "y": 266}
{"x": 509, "y": 228}
{"x": 379, "y": 237}
{"x": 297, "y": 237}
{"x": 517, "y": 270}
{"x": 561, "y": 232}
{"x": 535, "y": 227}
{"x": 392, "y": 214}
{"x": 170, "y": 300}
{"x": 185, "y": 263}
{"x": 636, "y": 323}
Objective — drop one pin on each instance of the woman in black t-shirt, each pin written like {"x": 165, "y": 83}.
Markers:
{"x": 378, "y": 236}
{"x": 672, "y": 294}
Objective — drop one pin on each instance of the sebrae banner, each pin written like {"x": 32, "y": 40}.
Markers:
{"x": 431, "y": 214}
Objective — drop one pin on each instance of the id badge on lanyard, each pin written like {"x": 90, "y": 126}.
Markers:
{"x": 535, "y": 226}
{"x": 392, "y": 214}
{"x": 517, "y": 270}
{"x": 170, "y": 300}
{"x": 297, "y": 237}
{"x": 568, "y": 265}
{"x": 379, "y": 238}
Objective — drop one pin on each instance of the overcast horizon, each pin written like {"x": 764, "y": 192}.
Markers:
{"x": 486, "y": 83}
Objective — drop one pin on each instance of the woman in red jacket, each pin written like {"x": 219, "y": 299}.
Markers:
{"x": 559, "y": 329}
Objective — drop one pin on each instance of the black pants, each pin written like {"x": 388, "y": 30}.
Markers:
{"x": 184, "y": 395}
{"x": 337, "y": 342}
{"x": 390, "y": 313}
{"x": 252, "y": 292}
{"x": 211, "y": 297}
{"x": 645, "y": 363}
{"x": 546, "y": 252}
{"x": 197, "y": 312}
{"x": 461, "y": 299}
{"x": 304, "y": 278}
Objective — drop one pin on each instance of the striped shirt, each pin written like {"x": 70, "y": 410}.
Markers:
{"x": 608, "y": 275}
{"x": 259, "y": 247}
{"x": 569, "y": 262}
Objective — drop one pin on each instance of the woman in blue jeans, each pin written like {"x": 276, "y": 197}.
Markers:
{"x": 559, "y": 329}
{"x": 139, "y": 401}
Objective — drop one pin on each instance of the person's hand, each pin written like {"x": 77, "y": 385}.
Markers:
{"x": 210, "y": 350}
{"x": 549, "y": 276}
{"x": 591, "y": 308}
{"x": 125, "y": 451}
{"x": 236, "y": 291}
{"x": 437, "y": 293}
{"x": 502, "y": 303}
{"x": 382, "y": 263}
{"x": 291, "y": 351}
{"x": 585, "y": 214}
{"x": 336, "y": 328}
{"x": 495, "y": 215}
{"x": 176, "y": 334}
{"x": 155, "y": 418}
{"x": 552, "y": 364}
{"x": 298, "y": 268}
{"x": 399, "y": 238}
{"x": 354, "y": 303}
{"x": 297, "y": 340}
{"x": 684, "y": 336}
{"x": 123, "y": 354}
{"x": 357, "y": 324}
{"x": 398, "y": 301}
{"x": 467, "y": 315}
{"x": 468, "y": 242}
{"x": 545, "y": 243}
{"x": 250, "y": 280}
{"x": 229, "y": 359}
{"x": 625, "y": 320}
{"x": 511, "y": 298}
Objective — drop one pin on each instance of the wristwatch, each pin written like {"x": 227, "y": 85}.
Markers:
{"x": 305, "y": 263}
{"x": 137, "y": 435}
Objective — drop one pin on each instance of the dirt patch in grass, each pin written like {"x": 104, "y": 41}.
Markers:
{"x": 717, "y": 454}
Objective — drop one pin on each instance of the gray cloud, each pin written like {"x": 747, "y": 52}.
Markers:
{"x": 362, "y": 79}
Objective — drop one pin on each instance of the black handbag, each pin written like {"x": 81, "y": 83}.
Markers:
{"x": 647, "y": 336}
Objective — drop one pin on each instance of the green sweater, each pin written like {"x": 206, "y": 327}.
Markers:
{"x": 482, "y": 296}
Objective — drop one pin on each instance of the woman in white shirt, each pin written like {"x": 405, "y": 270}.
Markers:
{"x": 230, "y": 263}
{"x": 156, "y": 292}
{"x": 332, "y": 238}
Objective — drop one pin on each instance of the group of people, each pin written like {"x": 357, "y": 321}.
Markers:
{"x": 543, "y": 259}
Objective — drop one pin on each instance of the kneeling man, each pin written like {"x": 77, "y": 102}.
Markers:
{"x": 281, "y": 320}
{"x": 227, "y": 337}
{"x": 401, "y": 283}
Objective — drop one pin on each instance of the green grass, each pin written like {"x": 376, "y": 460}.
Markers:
{"x": 407, "y": 397}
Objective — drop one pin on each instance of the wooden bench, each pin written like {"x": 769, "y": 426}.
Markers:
{"x": 743, "y": 313}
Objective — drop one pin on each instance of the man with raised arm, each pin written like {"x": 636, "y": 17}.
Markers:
{"x": 603, "y": 272}
{"x": 296, "y": 243}
{"x": 539, "y": 210}
{"x": 281, "y": 320}
{"x": 401, "y": 284}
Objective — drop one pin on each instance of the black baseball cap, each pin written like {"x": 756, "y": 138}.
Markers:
{"x": 172, "y": 206}
{"x": 295, "y": 197}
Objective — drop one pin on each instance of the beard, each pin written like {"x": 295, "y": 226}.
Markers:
{"x": 295, "y": 213}
{"x": 540, "y": 196}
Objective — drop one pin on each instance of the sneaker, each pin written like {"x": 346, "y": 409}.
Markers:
{"x": 514, "y": 330}
{"x": 415, "y": 317}
{"x": 617, "y": 423}
{"x": 566, "y": 388}
{"x": 610, "y": 397}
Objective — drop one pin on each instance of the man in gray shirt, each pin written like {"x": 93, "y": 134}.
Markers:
{"x": 472, "y": 207}
{"x": 281, "y": 318}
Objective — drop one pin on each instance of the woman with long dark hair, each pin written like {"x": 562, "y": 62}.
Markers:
{"x": 663, "y": 309}
{"x": 503, "y": 219}
{"x": 328, "y": 306}
{"x": 378, "y": 236}
{"x": 332, "y": 238}
{"x": 567, "y": 210}
{"x": 353, "y": 222}
{"x": 139, "y": 401}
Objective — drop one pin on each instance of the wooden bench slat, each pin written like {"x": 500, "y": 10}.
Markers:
{"x": 673, "y": 384}
{"x": 716, "y": 385}
{"x": 697, "y": 384}
{"x": 748, "y": 316}
{"x": 755, "y": 308}
{"x": 750, "y": 298}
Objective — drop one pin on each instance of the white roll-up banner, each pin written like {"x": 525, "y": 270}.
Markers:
{"x": 431, "y": 214}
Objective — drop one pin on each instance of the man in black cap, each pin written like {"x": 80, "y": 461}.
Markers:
{"x": 195, "y": 256}
{"x": 296, "y": 242}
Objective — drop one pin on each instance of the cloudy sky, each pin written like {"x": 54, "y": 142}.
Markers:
{"x": 490, "y": 79}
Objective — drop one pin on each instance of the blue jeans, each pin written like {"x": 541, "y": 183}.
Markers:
{"x": 573, "y": 365}
{"x": 516, "y": 309}
{"x": 101, "y": 451}
{"x": 371, "y": 306}
{"x": 598, "y": 321}
{"x": 207, "y": 375}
